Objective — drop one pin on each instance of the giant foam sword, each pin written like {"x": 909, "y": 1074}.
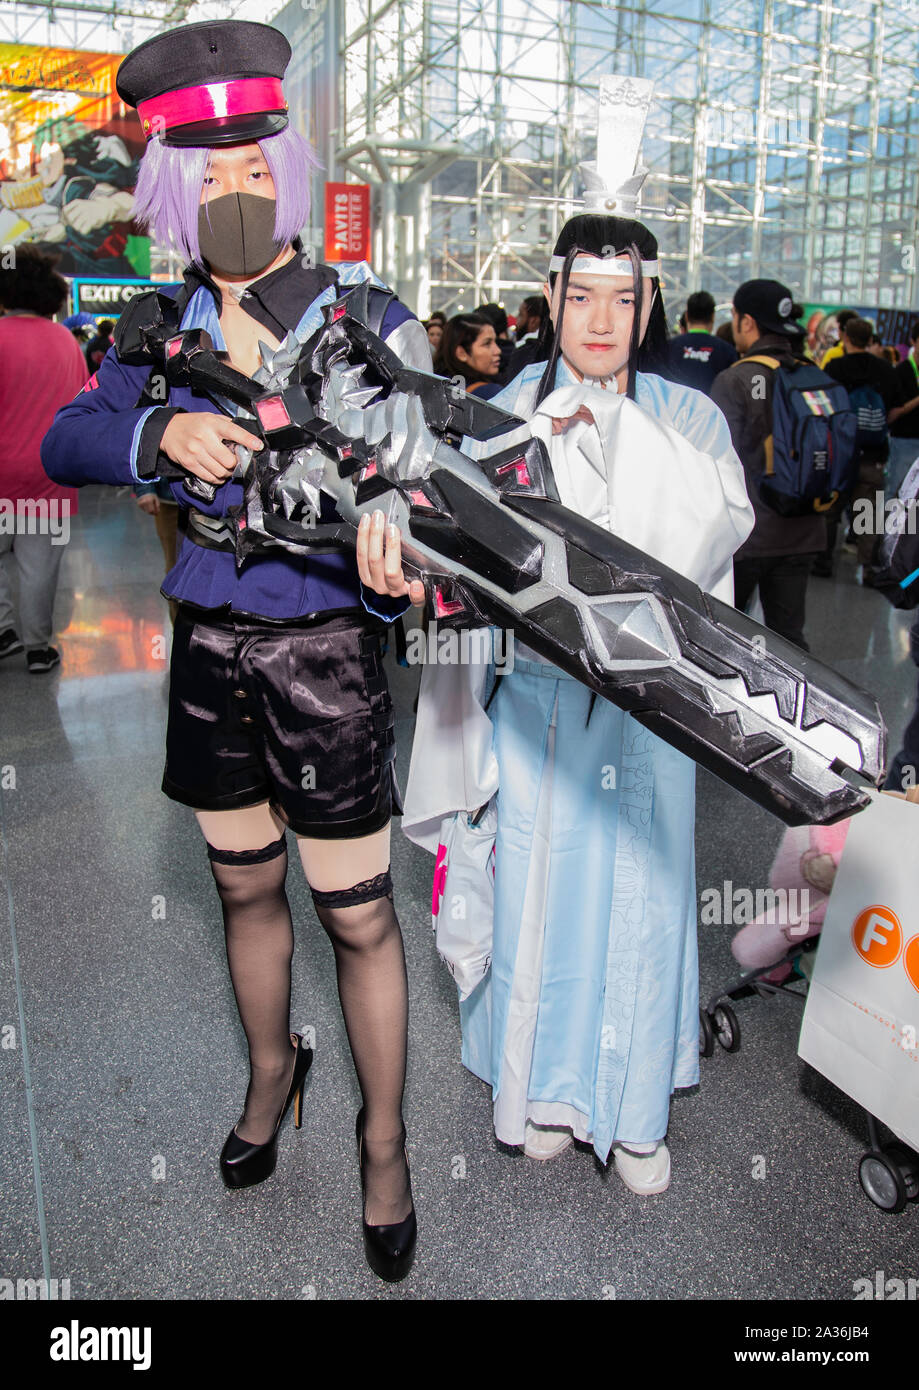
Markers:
{"x": 342, "y": 416}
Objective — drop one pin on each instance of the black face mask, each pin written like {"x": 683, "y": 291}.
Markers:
{"x": 236, "y": 233}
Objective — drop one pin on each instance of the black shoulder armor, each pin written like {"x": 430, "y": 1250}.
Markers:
{"x": 149, "y": 319}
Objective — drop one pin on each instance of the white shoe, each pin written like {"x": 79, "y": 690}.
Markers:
{"x": 644, "y": 1173}
{"x": 543, "y": 1141}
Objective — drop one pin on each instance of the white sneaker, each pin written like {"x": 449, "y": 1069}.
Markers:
{"x": 542, "y": 1141}
{"x": 644, "y": 1173}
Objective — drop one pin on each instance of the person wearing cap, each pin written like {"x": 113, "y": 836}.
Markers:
{"x": 279, "y": 713}
{"x": 579, "y": 974}
{"x": 778, "y": 554}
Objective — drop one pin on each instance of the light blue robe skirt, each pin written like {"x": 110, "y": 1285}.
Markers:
{"x": 588, "y": 1016}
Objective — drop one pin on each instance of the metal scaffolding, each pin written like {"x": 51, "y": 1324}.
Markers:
{"x": 96, "y": 28}
{"x": 113, "y": 27}
{"x": 783, "y": 137}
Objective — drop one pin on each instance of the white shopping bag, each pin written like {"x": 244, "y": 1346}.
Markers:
{"x": 861, "y": 1021}
{"x": 463, "y": 900}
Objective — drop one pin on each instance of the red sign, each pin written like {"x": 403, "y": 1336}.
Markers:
{"x": 347, "y": 222}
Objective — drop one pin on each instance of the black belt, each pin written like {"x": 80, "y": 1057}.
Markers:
{"x": 332, "y": 619}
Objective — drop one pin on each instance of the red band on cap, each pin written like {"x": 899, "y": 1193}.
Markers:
{"x": 242, "y": 96}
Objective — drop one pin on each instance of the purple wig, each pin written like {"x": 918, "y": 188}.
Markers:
{"x": 170, "y": 180}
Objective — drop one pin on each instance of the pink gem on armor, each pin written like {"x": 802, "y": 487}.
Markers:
{"x": 520, "y": 467}
{"x": 339, "y": 312}
{"x": 445, "y": 607}
{"x": 272, "y": 413}
{"x": 173, "y": 346}
{"x": 369, "y": 471}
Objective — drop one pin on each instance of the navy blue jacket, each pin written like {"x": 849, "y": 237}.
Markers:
{"x": 103, "y": 436}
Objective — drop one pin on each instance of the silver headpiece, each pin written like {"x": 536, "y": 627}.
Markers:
{"x": 613, "y": 181}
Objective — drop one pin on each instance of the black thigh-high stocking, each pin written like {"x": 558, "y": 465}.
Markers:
{"x": 372, "y": 985}
{"x": 260, "y": 945}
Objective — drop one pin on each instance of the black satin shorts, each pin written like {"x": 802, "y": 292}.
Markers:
{"x": 299, "y": 716}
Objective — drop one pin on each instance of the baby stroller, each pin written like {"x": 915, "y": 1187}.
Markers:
{"x": 778, "y": 950}
{"x": 717, "y": 1020}
{"x": 775, "y": 949}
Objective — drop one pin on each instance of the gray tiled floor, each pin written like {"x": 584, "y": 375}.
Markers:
{"x": 136, "y": 1056}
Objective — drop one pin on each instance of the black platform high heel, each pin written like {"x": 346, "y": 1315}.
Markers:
{"x": 243, "y": 1164}
{"x": 390, "y": 1250}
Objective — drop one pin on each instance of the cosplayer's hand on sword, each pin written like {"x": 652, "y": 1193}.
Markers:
{"x": 202, "y": 443}
{"x": 379, "y": 559}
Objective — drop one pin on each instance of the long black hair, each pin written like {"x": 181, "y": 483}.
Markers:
{"x": 605, "y": 236}
{"x": 461, "y": 332}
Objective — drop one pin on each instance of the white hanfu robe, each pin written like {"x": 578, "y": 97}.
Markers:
{"x": 587, "y": 1016}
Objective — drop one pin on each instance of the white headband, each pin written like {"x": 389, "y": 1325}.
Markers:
{"x": 604, "y": 265}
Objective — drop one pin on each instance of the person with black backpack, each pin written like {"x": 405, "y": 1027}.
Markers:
{"x": 873, "y": 392}
{"x": 794, "y": 432}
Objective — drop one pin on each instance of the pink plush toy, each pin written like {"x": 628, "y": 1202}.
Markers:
{"x": 802, "y": 875}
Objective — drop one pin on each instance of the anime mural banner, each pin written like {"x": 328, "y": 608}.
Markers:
{"x": 823, "y": 328}
{"x": 891, "y": 325}
{"x": 69, "y": 154}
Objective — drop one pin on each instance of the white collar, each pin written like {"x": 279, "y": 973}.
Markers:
{"x": 589, "y": 381}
